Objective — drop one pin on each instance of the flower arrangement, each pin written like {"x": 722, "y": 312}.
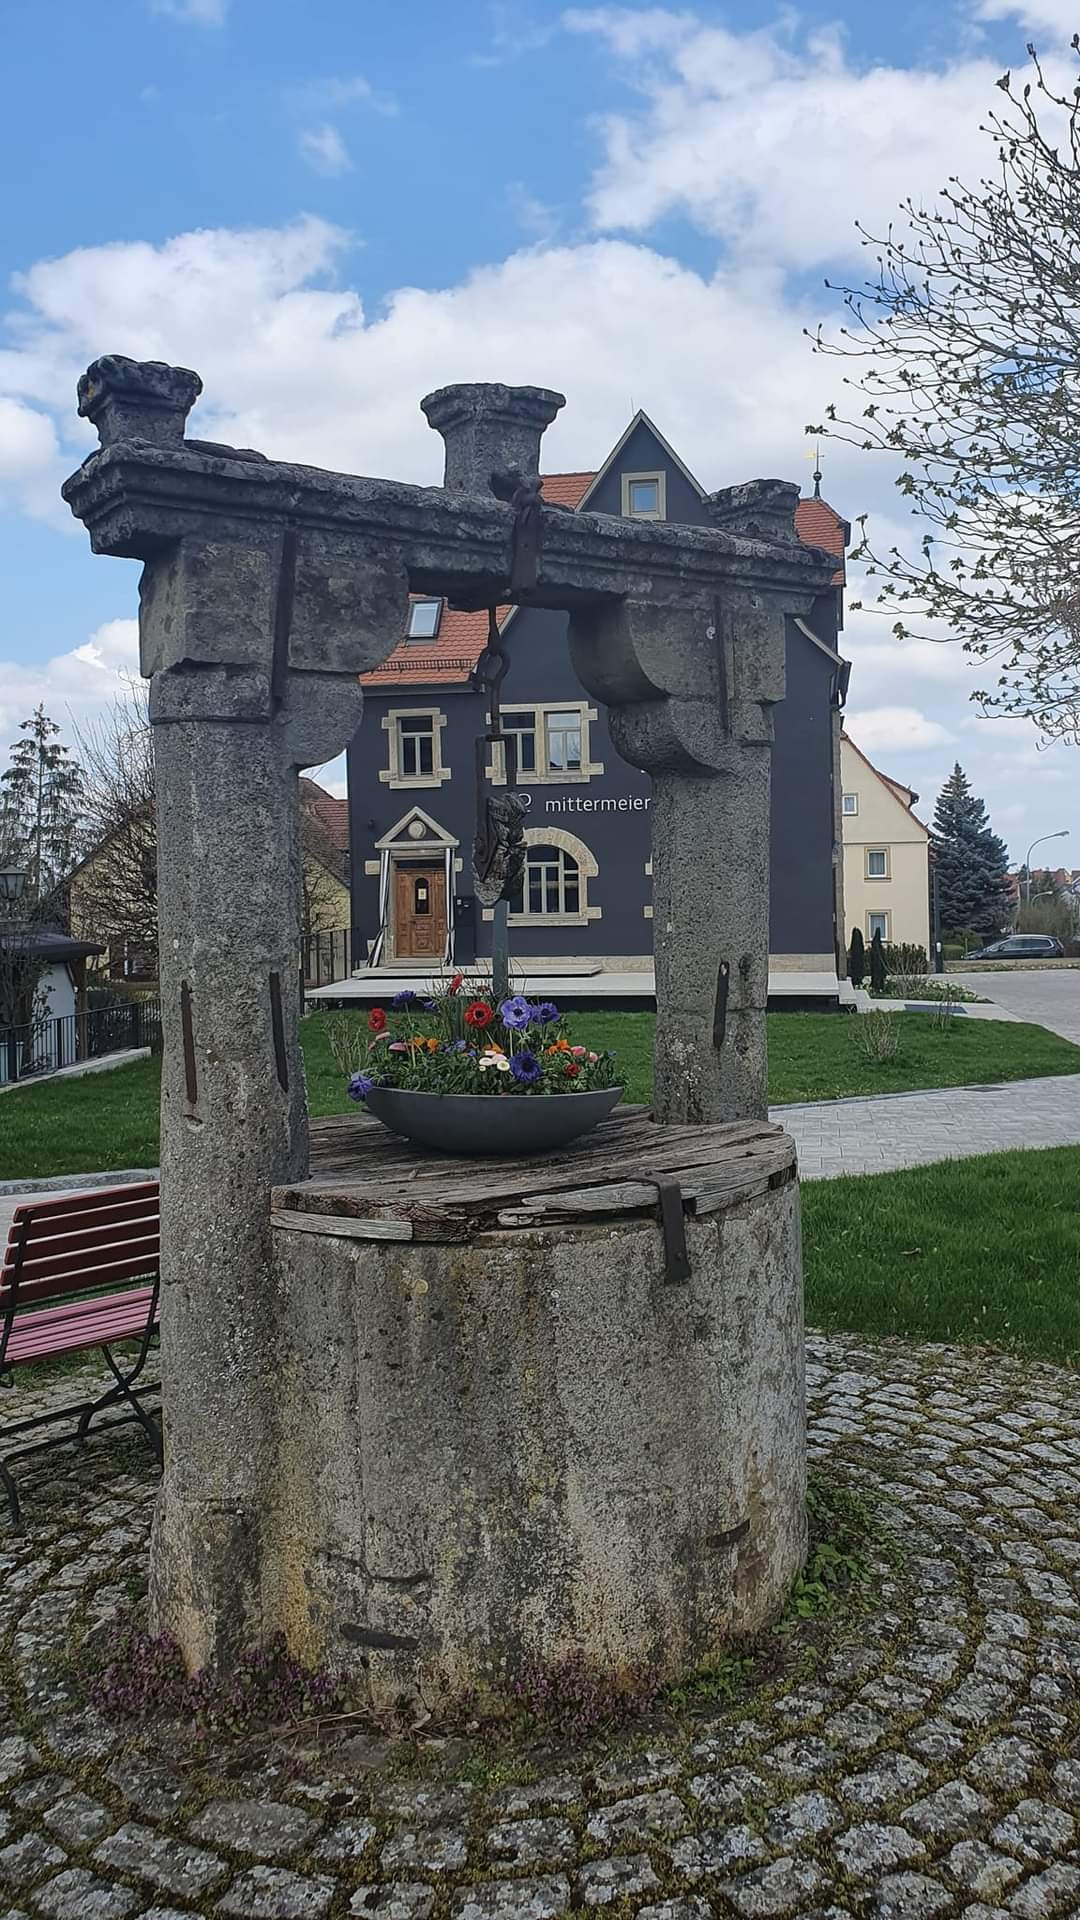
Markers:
{"x": 461, "y": 1040}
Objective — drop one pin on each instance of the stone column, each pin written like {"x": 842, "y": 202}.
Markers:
{"x": 690, "y": 688}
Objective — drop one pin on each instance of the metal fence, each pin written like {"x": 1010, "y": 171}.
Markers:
{"x": 326, "y": 957}
{"x": 62, "y": 1040}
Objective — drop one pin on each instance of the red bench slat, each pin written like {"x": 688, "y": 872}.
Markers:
{"x": 38, "y": 1336}
{"x": 41, "y": 1262}
{"x": 31, "y": 1292}
{"x": 96, "y": 1200}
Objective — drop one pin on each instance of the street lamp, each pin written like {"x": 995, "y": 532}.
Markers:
{"x": 12, "y": 882}
{"x": 1062, "y": 835}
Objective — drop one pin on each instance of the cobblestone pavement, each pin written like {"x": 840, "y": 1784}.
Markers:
{"x": 930, "y": 1765}
{"x": 912, "y": 1129}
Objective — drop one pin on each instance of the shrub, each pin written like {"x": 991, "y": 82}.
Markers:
{"x": 877, "y": 1036}
{"x": 857, "y": 959}
{"x": 878, "y": 969}
{"x": 905, "y": 956}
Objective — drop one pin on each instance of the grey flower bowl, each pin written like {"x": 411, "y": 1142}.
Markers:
{"x": 489, "y": 1122}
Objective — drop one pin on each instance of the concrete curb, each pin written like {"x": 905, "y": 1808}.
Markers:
{"x": 76, "y": 1182}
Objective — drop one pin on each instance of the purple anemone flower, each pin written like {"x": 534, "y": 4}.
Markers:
{"x": 405, "y": 998}
{"x": 516, "y": 1012}
{"x": 525, "y": 1067}
{"x": 360, "y": 1086}
{"x": 546, "y": 1012}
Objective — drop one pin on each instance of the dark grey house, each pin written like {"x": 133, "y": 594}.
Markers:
{"x": 586, "y": 895}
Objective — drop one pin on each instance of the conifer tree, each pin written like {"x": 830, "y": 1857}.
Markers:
{"x": 857, "y": 959}
{"x": 970, "y": 860}
{"x": 878, "y": 970}
{"x": 41, "y": 796}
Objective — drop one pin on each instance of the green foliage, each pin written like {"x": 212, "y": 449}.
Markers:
{"x": 41, "y": 796}
{"x": 857, "y": 959}
{"x": 878, "y": 969}
{"x": 459, "y": 1040}
{"x": 970, "y": 860}
{"x": 965, "y": 340}
{"x": 110, "y": 1120}
{"x": 982, "y": 1251}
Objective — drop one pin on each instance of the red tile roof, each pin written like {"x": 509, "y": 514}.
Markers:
{"x": 821, "y": 526}
{"x": 331, "y": 813}
{"x": 450, "y": 658}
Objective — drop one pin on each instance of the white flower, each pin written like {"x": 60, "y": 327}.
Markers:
{"x": 498, "y": 1060}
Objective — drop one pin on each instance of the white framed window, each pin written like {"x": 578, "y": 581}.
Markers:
{"x": 877, "y": 863}
{"x": 554, "y": 889}
{"x": 415, "y": 747}
{"x": 644, "y": 496}
{"x": 550, "y": 885}
{"x": 877, "y": 923}
{"x": 851, "y": 803}
{"x": 551, "y": 743}
{"x": 423, "y": 620}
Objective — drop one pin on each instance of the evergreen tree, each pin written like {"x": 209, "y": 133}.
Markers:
{"x": 878, "y": 970}
{"x": 970, "y": 860}
{"x": 857, "y": 959}
{"x": 41, "y": 797}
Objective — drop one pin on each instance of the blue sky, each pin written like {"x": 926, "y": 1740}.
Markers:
{"x": 331, "y": 206}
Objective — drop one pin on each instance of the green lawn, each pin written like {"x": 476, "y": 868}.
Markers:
{"x": 983, "y": 1251}
{"x": 111, "y": 1120}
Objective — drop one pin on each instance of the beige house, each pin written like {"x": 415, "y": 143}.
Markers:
{"x": 112, "y": 895}
{"x": 886, "y": 854}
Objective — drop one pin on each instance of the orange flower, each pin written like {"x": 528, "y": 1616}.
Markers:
{"x": 432, "y": 1045}
{"x": 558, "y": 1046}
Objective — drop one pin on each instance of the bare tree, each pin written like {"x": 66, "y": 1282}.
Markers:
{"x": 114, "y": 892}
{"x": 969, "y": 337}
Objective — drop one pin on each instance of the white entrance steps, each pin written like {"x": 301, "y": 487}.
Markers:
{"x": 585, "y": 980}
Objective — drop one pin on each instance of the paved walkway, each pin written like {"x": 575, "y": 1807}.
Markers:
{"x": 924, "y": 1765}
{"x": 1046, "y": 996}
{"x": 893, "y": 1130}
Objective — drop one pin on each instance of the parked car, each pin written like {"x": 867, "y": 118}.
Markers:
{"x": 1020, "y": 946}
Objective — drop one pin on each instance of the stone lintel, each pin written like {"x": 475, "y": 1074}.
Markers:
{"x": 136, "y": 499}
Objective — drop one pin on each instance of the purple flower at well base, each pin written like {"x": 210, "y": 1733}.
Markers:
{"x": 525, "y": 1067}
{"x": 515, "y": 1013}
{"x": 546, "y": 1012}
{"x": 360, "y": 1086}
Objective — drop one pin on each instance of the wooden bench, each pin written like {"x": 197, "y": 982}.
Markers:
{"x": 94, "y": 1256}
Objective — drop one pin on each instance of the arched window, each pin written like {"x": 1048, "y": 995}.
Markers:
{"x": 551, "y": 883}
{"x": 555, "y": 884}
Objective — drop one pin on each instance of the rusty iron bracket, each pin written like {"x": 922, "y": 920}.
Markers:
{"x": 676, "y": 1255}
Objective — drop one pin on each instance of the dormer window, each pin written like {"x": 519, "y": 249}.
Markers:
{"x": 424, "y": 618}
{"x": 644, "y": 496}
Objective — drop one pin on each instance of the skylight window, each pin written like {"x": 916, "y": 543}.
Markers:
{"x": 424, "y": 618}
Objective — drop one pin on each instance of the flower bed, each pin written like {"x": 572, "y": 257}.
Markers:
{"x": 459, "y": 1040}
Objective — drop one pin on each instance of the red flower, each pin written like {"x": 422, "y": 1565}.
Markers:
{"x": 376, "y": 1020}
{"x": 455, "y": 984}
{"x": 478, "y": 1014}
{"x": 571, "y": 1070}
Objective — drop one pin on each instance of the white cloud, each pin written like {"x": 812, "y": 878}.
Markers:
{"x": 1059, "y": 18}
{"x": 74, "y": 687}
{"x": 345, "y": 90}
{"x": 775, "y": 141}
{"x": 895, "y": 730}
{"x": 31, "y": 466}
{"x": 324, "y": 150}
{"x": 194, "y": 13}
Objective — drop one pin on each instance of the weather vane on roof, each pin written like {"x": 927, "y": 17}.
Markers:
{"x": 814, "y": 454}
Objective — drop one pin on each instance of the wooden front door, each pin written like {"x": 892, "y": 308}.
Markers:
{"x": 419, "y": 913}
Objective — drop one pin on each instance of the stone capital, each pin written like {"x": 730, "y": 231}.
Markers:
{"x": 489, "y": 428}
{"x": 137, "y": 399}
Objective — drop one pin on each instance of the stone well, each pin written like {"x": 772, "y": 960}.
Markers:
{"x": 534, "y": 1426}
